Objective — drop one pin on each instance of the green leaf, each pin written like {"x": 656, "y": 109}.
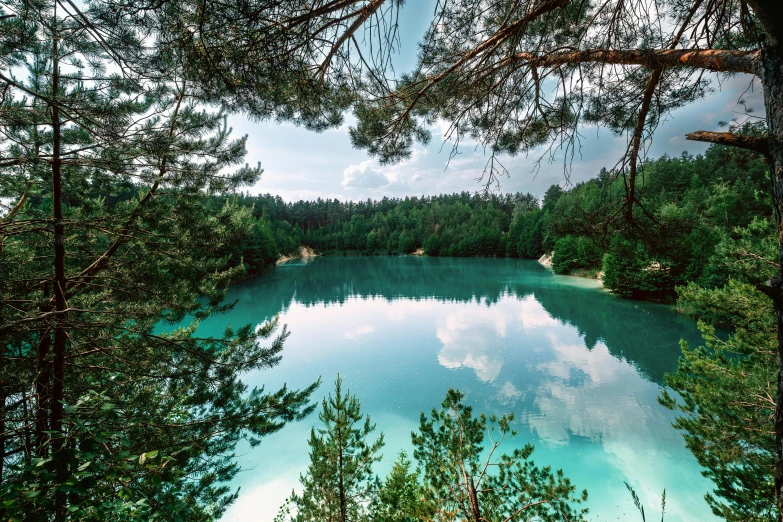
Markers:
{"x": 40, "y": 461}
{"x": 148, "y": 455}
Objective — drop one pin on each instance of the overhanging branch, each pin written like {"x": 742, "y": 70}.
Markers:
{"x": 754, "y": 143}
{"x": 365, "y": 13}
{"x": 709, "y": 59}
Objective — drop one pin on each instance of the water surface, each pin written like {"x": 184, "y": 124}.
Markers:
{"x": 580, "y": 368}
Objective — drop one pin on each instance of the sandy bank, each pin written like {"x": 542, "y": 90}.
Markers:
{"x": 546, "y": 260}
{"x": 304, "y": 253}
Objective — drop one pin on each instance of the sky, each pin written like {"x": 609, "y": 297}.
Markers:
{"x": 301, "y": 164}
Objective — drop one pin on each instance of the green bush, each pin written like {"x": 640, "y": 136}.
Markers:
{"x": 629, "y": 271}
{"x": 575, "y": 253}
{"x": 432, "y": 245}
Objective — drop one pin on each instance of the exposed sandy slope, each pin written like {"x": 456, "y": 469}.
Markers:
{"x": 304, "y": 252}
{"x": 546, "y": 259}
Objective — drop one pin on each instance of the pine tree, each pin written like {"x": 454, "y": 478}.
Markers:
{"x": 339, "y": 483}
{"x": 112, "y": 133}
{"x": 401, "y": 497}
{"x": 467, "y": 480}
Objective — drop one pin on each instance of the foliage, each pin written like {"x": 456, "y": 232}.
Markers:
{"x": 746, "y": 254}
{"x": 726, "y": 394}
{"x": 464, "y": 482}
{"x": 630, "y": 272}
{"x": 694, "y": 206}
{"x": 574, "y": 253}
{"x": 402, "y": 497}
{"x": 727, "y": 387}
{"x": 255, "y": 251}
{"x": 461, "y": 478}
{"x": 339, "y": 482}
{"x": 118, "y": 235}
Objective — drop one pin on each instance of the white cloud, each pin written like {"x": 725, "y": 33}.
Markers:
{"x": 586, "y": 394}
{"x": 360, "y": 331}
{"x": 508, "y": 394}
{"x": 397, "y": 178}
{"x": 473, "y": 340}
{"x": 364, "y": 175}
{"x": 533, "y": 315}
{"x": 261, "y": 502}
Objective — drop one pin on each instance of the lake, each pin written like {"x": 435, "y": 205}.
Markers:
{"x": 580, "y": 368}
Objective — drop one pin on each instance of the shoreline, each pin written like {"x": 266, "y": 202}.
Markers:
{"x": 305, "y": 252}
{"x": 546, "y": 261}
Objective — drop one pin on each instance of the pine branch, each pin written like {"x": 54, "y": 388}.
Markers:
{"x": 760, "y": 145}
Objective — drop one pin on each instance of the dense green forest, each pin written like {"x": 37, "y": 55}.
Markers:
{"x": 123, "y": 225}
{"x": 691, "y": 208}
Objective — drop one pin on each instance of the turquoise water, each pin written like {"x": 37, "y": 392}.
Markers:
{"x": 581, "y": 369}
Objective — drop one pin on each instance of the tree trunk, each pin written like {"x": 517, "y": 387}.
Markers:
{"x": 42, "y": 381}
{"x": 771, "y": 69}
{"x": 343, "y": 514}
{"x": 60, "y": 333}
{"x": 2, "y": 428}
{"x": 474, "y": 504}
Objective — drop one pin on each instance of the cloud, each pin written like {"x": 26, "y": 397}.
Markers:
{"x": 390, "y": 178}
{"x": 592, "y": 395}
{"x": 508, "y": 394}
{"x": 263, "y": 501}
{"x": 364, "y": 175}
{"x": 533, "y": 315}
{"x": 360, "y": 332}
{"x": 473, "y": 340}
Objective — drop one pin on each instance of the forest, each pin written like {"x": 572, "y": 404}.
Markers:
{"x": 695, "y": 212}
{"x": 126, "y": 219}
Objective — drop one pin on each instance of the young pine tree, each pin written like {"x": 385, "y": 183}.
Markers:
{"x": 401, "y": 497}
{"x": 339, "y": 483}
{"x": 466, "y": 480}
{"x": 723, "y": 395}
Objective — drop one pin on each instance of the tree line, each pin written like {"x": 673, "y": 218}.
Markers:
{"x": 113, "y": 119}
{"x": 691, "y": 208}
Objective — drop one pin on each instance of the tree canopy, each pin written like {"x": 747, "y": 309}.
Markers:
{"x": 112, "y": 132}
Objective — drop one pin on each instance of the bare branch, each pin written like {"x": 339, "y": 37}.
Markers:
{"x": 366, "y": 12}
{"x": 754, "y": 143}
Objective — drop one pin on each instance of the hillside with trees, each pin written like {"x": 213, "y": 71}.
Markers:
{"x": 119, "y": 213}
{"x": 691, "y": 208}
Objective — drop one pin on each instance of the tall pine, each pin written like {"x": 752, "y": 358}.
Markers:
{"x": 112, "y": 133}
{"x": 339, "y": 482}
